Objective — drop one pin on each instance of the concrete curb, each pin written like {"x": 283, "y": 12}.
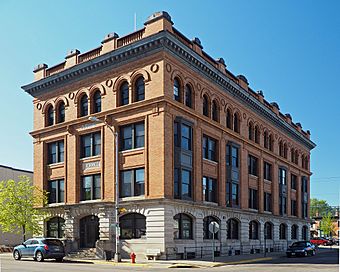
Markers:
{"x": 245, "y": 261}
{"x": 106, "y": 262}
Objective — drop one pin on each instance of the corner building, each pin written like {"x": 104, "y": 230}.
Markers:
{"x": 196, "y": 145}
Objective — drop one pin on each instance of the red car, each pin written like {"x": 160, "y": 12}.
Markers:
{"x": 319, "y": 241}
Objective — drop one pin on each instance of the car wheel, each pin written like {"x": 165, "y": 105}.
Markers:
{"x": 16, "y": 255}
{"x": 39, "y": 256}
{"x": 59, "y": 260}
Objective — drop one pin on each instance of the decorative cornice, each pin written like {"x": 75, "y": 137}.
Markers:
{"x": 150, "y": 45}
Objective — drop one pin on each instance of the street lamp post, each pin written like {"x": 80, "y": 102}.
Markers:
{"x": 117, "y": 257}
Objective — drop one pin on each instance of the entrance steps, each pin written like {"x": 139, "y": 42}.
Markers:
{"x": 85, "y": 253}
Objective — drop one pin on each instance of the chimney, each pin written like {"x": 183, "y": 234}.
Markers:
{"x": 197, "y": 45}
{"x": 40, "y": 71}
{"x": 260, "y": 96}
{"x": 275, "y": 108}
{"x": 221, "y": 65}
{"x": 299, "y": 127}
{"x": 243, "y": 82}
{"x": 288, "y": 118}
{"x": 158, "y": 21}
{"x": 71, "y": 58}
{"x": 109, "y": 43}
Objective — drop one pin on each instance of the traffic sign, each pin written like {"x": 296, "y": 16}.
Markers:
{"x": 214, "y": 227}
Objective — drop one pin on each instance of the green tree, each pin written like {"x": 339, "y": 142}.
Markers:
{"x": 319, "y": 207}
{"x": 327, "y": 225}
{"x": 18, "y": 213}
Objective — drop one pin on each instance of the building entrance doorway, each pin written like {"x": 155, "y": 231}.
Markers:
{"x": 89, "y": 231}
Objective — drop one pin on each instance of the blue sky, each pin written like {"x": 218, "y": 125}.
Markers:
{"x": 288, "y": 49}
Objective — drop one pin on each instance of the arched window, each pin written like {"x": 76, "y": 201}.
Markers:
{"x": 268, "y": 230}
{"x": 233, "y": 229}
{"x": 205, "y": 106}
{"x": 257, "y": 134}
{"x": 50, "y": 116}
{"x": 253, "y": 230}
{"x": 177, "y": 90}
{"x": 97, "y": 102}
{"x": 270, "y": 142}
{"x": 236, "y": 123}
{"x": 84, "y": 107}
{"x": 124, "y": 94}
{"x": 61, "y": 112}
{"x": 206, "y": 222}
{"x": 184, "y": 226}
{"x": 132, "y": 226}
{"x": 294, "y": 232}
{"x": 285, "y": 150}
{"x": 283, "y": 231}
{"x": 215, "y": 111}
{"x": 250, "y": 131}
{"x": 139, "y": 94}
{"x": 229, "y": 119}
{"x": 304, "y": 233}
{"x": 188, "y": 96}
{"x": 265, "y": 139}
{"x": 55, "y": 227}
{"x": 280, "y": 148}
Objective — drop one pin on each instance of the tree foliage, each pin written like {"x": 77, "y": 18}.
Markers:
{"x": 19, "y": 199}
{"x": 327, "y": 225}
{"x": 319, "y": 207}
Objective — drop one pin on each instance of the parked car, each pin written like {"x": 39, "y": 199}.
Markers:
{"x": 40, "y": 249}
{"x": 320, "y": 241}
{"x": 301, "y": 248}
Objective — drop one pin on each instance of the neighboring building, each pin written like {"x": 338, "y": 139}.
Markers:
{"x": 6, "y": 173}
{"x": 317, "y": 221}
{"x": 197, "y": 144}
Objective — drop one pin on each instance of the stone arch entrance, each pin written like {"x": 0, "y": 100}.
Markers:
{"x": 89, "y": 231}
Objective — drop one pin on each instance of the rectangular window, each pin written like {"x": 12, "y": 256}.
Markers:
{"x": 209, "y": 189}
{"x": 252, "y": 165}
{"x": 267, "y": 171}
{"x": 90, "y": 187}
{"x": 90, "y": 145}
{"x": 132, "y": 136}
{"x": 293, "y": 207}
{"x": 182, "y": 136}
{"x": 283, "y": 205}
{"x": 232, "y": 156}
{"x": 267, "y": 202}
{"x": 132, "y": 182}
{"x": 55, "y": 152}
{"x": 282, "y": 176}
{"x": 304, "y": 209}
{"x": 253, "y": 199}
{"x": 56, "y": 191}
{"x": 209, "y": 148}
{"x": 293, "y": 180}
{"x": 304, "y": 184}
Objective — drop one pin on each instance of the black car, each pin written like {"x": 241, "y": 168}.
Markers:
{"x": 301, "y": 248}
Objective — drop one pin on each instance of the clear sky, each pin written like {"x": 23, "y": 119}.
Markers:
{"x": 288, "y": 49}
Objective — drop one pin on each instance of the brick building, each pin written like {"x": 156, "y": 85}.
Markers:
{"x": 197, "y": 144}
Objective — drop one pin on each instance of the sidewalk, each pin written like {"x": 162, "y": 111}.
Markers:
{"x": 193, "y": 263}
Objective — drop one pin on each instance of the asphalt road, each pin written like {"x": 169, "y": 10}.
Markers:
{"x": 324, "y": 261}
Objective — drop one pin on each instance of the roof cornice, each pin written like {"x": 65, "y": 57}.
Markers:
{"x": 147, "y": 46}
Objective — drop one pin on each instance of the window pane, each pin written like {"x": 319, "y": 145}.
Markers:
{"x": 186, "y": 184}
{"x": 52, "y": 153}
{"x": 139, "y": 186}
{"x": 126, "y": 183}
{"x": 96, "y": 185}
{"x": 126, "y": 137}
{"x": 61, "y": 151}
{"x": 52, "y": 197}
{"x": 86, "y": 188}
{"x": 186, "y": 137}
{"x": 139, "y": 132}
{"x": 61, "y": 191}
{"x": 96, "y": 144}
{"x": 86, "y": 145}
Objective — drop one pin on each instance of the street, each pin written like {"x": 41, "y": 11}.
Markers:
{"x": 325, "y": 260}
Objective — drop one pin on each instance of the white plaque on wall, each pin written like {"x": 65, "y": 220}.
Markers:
{"x": 90, "y": 165}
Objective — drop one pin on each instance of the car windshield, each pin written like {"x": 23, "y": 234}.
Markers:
{"x": 53, "y": 242}
{"x": 299, "y": 244}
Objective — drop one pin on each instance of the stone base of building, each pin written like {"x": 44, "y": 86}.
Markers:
{"x": 92, "y": 225}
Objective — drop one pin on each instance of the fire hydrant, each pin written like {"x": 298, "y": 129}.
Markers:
{"x": 133, "y": 257}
